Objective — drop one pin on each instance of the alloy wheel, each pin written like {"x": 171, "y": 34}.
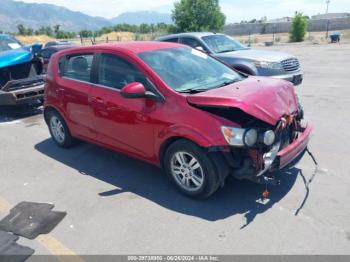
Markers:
{"x": 57, "y": 129}
{"x": 187, "y": 171}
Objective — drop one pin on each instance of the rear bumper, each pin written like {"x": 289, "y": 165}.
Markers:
{"x": 295, "y": 149}
{"x": 21, "y": 96}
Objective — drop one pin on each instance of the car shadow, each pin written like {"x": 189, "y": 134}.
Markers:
{"x": 13, "y": 113}
{"x": 126, "y": 174}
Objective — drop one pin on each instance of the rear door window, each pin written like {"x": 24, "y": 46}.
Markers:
{"x": 172, "y": 40}
{"x": 78, "y": 67}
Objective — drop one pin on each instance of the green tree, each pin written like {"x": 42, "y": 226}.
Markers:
{"x": 198, "y": 15}
{"x": 21, "y": 29}
{"x": 56, "y": 29}
{"x": 86, "y": 33}
{"x": 30, "y": 31}
{"x": 144, "y": 29}
{"x": 299, "y": 28}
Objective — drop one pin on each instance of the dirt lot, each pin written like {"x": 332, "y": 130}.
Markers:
{"x": 311, "y": 37}
{"x": 117, "y": 205}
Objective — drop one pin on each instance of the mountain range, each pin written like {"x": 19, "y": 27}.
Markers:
{"x": 13, "y": 13}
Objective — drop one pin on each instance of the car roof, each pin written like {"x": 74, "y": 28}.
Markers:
{"x": 129, "y": 47}
{"x": 7, "y": 35}
{"x": 193, "y": 34}
{"x": 58, "y": 47}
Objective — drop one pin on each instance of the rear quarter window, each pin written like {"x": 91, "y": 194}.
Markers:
{"x": 171, "y": 40}
{"x": 77, "y": 67}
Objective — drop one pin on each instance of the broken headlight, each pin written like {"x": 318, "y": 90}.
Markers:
{"x": 240, "y": 136}
{"x": 247, "y": 137}
{"x": 269, "y": 137}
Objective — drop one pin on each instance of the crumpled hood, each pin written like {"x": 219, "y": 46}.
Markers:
{"x": 15, "y": 57}
{"x": 266, "y": 99}
{"x": 257, "y": 55}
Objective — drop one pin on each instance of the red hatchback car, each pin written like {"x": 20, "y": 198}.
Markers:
{"x": 177, "y": 108}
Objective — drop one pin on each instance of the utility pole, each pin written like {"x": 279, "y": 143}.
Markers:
{"x": 328, "y": 21}
{"x": 328, "y": 2}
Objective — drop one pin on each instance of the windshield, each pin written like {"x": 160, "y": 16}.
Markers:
{"x": 185, "y": 69}
{"x": 8, "y": 43}
{"x": 223, "y": 43}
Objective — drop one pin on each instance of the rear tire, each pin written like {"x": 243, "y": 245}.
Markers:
{"x": 190, "y": 169}
{"x": 59, "y": 130}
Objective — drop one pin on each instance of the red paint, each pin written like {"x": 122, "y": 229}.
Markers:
{"x": 139, "y": 127}
{"x": 266, "y": 99}
{"x": 134, "y": 89}
{"x": 289, "y": 153}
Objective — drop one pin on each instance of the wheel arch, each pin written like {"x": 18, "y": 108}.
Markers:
{"x": 244, "y": 69}
{"x": 244, "y": 66}
{"x": 165, "y": 145}
{"x": 217, "y": 157}
{"x": 51, "y": 108}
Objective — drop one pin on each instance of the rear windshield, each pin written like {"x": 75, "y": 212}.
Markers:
{"x": 8, "y": 43}
{"x": 185, "y": 69}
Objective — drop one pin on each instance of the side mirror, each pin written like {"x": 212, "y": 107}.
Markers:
{"x": 133, "y": 90}
{"x": 137, "y": 90}
{"x": 200, "y": 48}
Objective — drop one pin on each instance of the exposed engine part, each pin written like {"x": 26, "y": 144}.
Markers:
{"x": 22, "y": 71}
{"x": 236, "y": 115}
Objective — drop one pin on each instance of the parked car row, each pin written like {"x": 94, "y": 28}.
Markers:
{"x": 21, "y": 67}
{"x": 196, "y": 105}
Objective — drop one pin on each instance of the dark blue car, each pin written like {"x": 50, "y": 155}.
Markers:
{"x": 21, "y": 80}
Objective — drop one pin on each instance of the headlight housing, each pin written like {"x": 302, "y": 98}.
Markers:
{"x": 269, "y": 138}
{"x": 240, "y": 136}
{"x": 268, "y": 65}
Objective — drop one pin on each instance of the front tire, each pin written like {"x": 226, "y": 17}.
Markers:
{"x": 59, "y": 130}
{"x": 190, "y": 169}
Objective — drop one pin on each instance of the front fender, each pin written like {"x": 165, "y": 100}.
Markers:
{"x": 186, "y": 132}
{"x": 240, "y": 64}
{"x": 175, "y": 132}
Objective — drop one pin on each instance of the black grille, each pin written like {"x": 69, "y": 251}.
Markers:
{"x": 23, "y": 83}
{"x": 291, "y": 64}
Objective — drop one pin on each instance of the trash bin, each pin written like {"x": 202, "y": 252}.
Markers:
{"x": 335, "y": 37}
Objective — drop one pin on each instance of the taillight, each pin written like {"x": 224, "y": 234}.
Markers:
{"x": 49, "y": 72}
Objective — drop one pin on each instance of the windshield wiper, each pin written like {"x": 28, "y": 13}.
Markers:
{"x": 226, "y": 83}
{"x": 192, "y": 90}
{"x": 226, "y": 51}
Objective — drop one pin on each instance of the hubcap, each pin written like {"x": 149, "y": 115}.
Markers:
{"x": 187, "y": 171}
{"x": 57, "y": 129}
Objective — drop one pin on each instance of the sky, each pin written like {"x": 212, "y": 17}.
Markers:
{"x": 235, "y": 10}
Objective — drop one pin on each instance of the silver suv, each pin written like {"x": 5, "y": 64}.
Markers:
{"x": 242, "y": 58}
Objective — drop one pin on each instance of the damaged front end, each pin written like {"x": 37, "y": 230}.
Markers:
{"x": 259, "y": 149}
{"x": 270, "y": 135}
{"x": 21, "y": 80}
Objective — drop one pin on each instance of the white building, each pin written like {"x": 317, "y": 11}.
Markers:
{"x": 331, "y": 16}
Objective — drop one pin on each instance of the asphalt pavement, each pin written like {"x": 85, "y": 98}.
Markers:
{"x": 118, "y": 205}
